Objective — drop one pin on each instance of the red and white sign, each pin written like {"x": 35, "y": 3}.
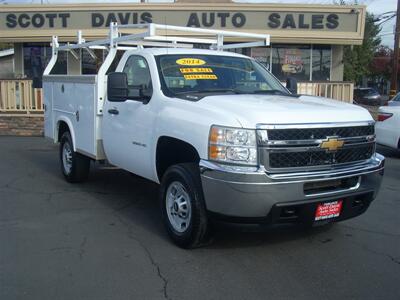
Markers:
{"x": 328, "y": 210}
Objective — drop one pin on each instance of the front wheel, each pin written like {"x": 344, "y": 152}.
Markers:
{"x": 182, "y": 205}
{"x": 74, "y": 166}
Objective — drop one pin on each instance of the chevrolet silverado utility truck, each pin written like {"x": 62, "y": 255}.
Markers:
{"x": 219, "y": 133}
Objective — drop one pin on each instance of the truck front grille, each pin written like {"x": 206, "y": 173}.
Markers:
{"x": 303, "y": 148}
{"x": 320, "y": 158}
{"x": 319, "y": 133}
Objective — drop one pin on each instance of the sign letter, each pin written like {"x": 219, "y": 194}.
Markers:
{"x": 289, "y": 22}
{"x": 64, "y": 19}
{"x": 238, "y": 19}
{"x": 274, "y": 20}
{"x": 193, "y": 20}
{"x": 11, "y": 21}
{"x": 205, "y": 22}
{"x": 223, "y": 17}
{"x": 332, "y": 21}
{"x": 317, "y": 22}
{"x": 97, "y": 20}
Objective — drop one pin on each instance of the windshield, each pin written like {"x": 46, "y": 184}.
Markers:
{"x": 195, "y": 76}
{"x": 367, "y": 92}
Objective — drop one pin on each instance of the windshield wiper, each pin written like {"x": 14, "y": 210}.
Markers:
{"x": 275, "y": 92}
{"x": 236, "y": 91}
{"x": 213, "y": 91}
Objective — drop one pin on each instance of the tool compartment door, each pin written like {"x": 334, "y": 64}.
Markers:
{"x": 74, "y": 100}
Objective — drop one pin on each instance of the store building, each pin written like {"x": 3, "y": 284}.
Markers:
{"x": 306, "y": 40}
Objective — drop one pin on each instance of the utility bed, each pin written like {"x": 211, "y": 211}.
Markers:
{"x": 74, "y": 95}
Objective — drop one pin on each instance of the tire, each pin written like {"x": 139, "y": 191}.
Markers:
{"x": 186, "y": 223}
{"x": 74, "y": 166}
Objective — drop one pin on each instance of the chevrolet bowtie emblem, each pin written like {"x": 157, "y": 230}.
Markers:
{"x": 332, "y": 144}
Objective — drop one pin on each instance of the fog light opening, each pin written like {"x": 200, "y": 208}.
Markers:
{"x": 289, "y": 212}
{"x": 358, "y": 203}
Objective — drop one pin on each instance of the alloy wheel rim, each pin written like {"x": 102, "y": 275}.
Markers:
{"x": 67, "y": 158}
{"x": 178, "y": 206}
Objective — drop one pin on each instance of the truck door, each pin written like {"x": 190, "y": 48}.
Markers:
{"x": 127, "y": 126}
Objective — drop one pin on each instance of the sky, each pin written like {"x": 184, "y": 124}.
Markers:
{"x": 376, "y": 7}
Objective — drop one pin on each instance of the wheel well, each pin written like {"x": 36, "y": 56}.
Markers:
{"x": 171, "y": 151}
{"x": 62, "y": 128}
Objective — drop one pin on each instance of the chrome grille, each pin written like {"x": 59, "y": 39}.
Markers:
{"x": 300, "y": 148}
{"x": 319, "y": 158}
{"x": 319, "y": 133}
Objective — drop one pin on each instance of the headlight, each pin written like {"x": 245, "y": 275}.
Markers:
{"x": 232, "y": 145}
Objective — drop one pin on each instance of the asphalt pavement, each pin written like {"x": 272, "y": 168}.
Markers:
{"x": 104, "y": 239}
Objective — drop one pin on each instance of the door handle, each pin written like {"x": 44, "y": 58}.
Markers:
{"x": 113, "y": 111}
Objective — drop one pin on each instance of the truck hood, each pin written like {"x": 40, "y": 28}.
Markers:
{"x": 250, "y": 110}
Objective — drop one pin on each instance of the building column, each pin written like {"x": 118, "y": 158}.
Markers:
{"x": 337, "y": 63}
{"x": 19, "y": 60}
{"x": 74, "y": 66}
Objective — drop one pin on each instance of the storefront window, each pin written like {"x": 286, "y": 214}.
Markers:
{"x": 36, "y": 58}
{"x": 291, "y": 61}
{"x": 321, "y": 63}
{"x": 91, "y": 65}
{"x": 286, "y": 61}
{"x": 262, "y": 55}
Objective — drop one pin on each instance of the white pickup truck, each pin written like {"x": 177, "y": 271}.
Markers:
{"x": 220, "y": 134}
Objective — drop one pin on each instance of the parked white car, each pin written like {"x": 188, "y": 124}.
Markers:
{"x": 395, "y": 101}
{"x": 217, "y": 130}
{"x": 388, "y": 126}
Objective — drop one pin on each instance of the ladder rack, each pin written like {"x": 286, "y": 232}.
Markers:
{"x": 154, "y": 35}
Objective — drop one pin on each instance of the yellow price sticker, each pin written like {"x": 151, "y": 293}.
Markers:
{"x": 200, "y": 76}
{"x": 195, "y": 70}
{"x": 190, "y": 62}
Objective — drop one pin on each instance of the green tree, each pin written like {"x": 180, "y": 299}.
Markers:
{"x": 357, "y": 59}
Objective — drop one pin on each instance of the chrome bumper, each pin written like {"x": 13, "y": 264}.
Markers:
{"x": 252, "y": 193}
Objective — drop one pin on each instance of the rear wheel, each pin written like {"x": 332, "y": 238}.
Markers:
{"x": 182, "y": 205}
{"x": 74, "y": 166}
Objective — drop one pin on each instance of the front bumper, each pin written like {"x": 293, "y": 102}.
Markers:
{"x": 253, "y": 196}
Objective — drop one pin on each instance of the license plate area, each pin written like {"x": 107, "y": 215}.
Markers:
{"x": 328, "y": 210}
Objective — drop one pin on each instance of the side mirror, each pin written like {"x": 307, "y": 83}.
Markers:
{"x": 117, "y": 87}
{"x": 291, "y": 85}
{"x": 141, "y": 94}
{"x": 145, "y": 94}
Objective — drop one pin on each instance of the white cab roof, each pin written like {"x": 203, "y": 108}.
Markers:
{"x": 164, "y": 51}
